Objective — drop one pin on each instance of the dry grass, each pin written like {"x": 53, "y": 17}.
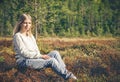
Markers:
{"x": 91, "y": 60}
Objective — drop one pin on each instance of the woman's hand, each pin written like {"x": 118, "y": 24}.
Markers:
{"x": 45, "y": 57}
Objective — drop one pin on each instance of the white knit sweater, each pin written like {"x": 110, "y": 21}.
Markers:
{"x": 26, "y": 46}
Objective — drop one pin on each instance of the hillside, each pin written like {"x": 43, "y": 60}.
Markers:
{"x": 91, "y": 60}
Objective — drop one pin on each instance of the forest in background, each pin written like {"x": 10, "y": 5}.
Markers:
{"x": 91, "y": 59}
{"x": 63, "y": 17}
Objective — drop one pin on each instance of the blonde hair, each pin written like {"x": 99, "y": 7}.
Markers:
{"x": 22, "y": 18}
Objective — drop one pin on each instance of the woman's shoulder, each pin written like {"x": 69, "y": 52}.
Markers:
{"x": 17, "y": 35}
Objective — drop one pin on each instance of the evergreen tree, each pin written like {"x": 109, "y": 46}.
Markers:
{"x": 61, "y": 17}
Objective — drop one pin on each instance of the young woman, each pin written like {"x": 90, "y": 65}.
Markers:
{"x": 28, "y": 54}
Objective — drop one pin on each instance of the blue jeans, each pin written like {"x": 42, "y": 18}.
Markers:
{"x": 55, "y": 62}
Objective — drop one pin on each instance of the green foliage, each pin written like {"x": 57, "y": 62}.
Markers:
{"x": 1, "y": 59}
{"x": 61, "y": 17}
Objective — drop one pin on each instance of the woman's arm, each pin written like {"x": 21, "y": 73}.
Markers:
{"x": 36, "y": 47}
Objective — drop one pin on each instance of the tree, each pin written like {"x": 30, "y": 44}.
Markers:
{"x": 61, "y": 17}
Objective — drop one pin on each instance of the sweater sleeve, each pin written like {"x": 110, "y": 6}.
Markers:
{"x": 20, "y": 48}
{"x": 38, "y": 51}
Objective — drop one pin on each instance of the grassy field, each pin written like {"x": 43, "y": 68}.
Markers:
{"x": 91, "y": 60}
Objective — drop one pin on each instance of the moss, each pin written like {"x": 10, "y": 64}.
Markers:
{"x": 2, "y": 59}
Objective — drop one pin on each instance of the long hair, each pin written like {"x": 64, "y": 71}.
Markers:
{"x": 17, "y": 27}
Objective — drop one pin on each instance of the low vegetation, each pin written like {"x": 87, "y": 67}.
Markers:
{"x": 91, "y": 60}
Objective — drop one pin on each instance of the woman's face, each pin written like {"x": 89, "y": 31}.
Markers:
{"x": 26, "y": 25}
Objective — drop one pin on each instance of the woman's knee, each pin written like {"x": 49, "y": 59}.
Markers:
{"x": 53, "y": 61}
{"x": 56, "y": 52}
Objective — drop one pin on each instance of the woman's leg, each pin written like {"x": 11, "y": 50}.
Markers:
{"x": 55, "y": 54}
{"x": 52, "y": 62}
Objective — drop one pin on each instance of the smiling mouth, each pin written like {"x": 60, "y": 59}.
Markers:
{"x": 27, "y": 29}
